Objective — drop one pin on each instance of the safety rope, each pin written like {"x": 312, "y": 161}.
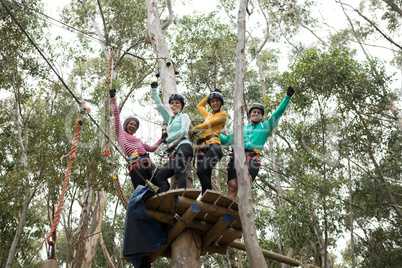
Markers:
{"x": 78, "y": 128}
{"x": 107, "y": 150}
{"x": 80, "y": 102}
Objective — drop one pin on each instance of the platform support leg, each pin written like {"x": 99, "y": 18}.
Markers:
{"x": 186, "y": 250}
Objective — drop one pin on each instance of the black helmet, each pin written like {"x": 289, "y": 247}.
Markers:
{"x": 176, "y": 96}
{"x": 215, "y": 95}
{"x": 128, "y": 121}
{"x": 257, "y": 105}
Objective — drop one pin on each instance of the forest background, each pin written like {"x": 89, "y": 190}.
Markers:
{"x": 330, "y": 172}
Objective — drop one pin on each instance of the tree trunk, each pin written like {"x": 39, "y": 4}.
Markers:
{"x": 92, "y": 242}
{"x": 218, "y": 177}
{"x": 186, "y": 250}
{"x": 21, "y": 223}
{"x": 165, "y": 65}
{"x": 79, "y": 253}
{"x": 352, "y": 244}
{"x": 321, "y": 242}
{"x": 244, "y": 192}
{"x": 23, "y": 143}
{"x": 105, "y": 252}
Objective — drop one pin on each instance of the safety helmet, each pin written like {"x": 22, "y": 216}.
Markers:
{"x": 128, "y": 121}
{"x": 257, "y": 105}
{"x": 215, "y": 95}
{"x": 179, "y": 97}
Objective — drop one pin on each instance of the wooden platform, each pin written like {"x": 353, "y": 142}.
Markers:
{"x": 213, "y": 215}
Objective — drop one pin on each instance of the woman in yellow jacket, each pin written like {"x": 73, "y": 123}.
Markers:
{"x": 209, "y": 149}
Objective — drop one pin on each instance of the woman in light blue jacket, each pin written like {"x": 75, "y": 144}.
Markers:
{"x": 180, "y": 148}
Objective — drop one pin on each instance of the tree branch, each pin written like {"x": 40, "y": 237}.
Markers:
{"x": 393, "y": 6}
{"x": 104, "y": 23}
{"x": 169, "y": 21}
{"x": 374, "y": 25}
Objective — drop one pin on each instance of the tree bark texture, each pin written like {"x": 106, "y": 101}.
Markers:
{"x": 92, "y": 242}
{"x": 165, "y": 65}
{"x": 186, "y": 250}
{"x": 79, "y": 253}
{"x": 244, "y": 187}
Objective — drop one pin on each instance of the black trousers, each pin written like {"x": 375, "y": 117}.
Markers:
{"x": 142, "y": 172}
{"x": 177, "y": 166}
{"x": 207, "y": 158}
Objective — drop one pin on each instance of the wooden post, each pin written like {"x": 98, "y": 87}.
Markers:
{"x": 187, "y": 217}
{"x": 51, "y": 263}
{"x": 186, "y": 250}
{"x": 216, "y": 231}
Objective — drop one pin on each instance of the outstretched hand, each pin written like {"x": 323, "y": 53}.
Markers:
{"x": 112, "y": 92}
{"x": 154, "y": 84}
{"x": 290, "y": 91}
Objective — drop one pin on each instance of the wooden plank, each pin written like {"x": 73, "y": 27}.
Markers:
{"x": 226, "y": 240}
{"x": 195, "y": 224}
{"x": 225, "y": 201}
{"x": 208, "y": 208}
{"x": 210, "y": 196}
{"x": 215, "y": 232}
{"x": 216, "y": 198}
{"x": 176, "y": 230}
{"x": 192, "y": 193}
{"x": 163, "y": 201}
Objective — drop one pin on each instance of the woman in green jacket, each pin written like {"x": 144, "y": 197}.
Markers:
{"x": 255, "y": 135}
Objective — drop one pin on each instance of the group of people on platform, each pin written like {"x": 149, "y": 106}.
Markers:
{"x": 209, "y": 144}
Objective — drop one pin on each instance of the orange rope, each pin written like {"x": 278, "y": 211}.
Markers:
{"x": 78, "y": 128}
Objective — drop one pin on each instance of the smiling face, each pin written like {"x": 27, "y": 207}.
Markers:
{"x": 175, "y": 106}
{"x": 255, "y": 116}
{"x": 132, "y": 127}
{"x": 216, "y": 105}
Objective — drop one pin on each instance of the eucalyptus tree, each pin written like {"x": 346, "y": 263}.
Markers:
{"x": 21, "y": 118}
{"x": 345, "y": 94}
{"x": 119, "y": 30}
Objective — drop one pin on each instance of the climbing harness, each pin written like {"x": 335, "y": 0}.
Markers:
{"x": 172, "y": 149}
{"x": 141, "y": 160}
{"x": 202, "y": 140}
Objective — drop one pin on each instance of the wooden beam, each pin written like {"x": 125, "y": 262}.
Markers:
{"x": 219, "y": 211}
{"x": 190, "y": 214}
{"x": 194, "y": 224}
{"x": 214, "y": 248}
{"x": 216, "y": 231}
{"x": 269, "y": 254}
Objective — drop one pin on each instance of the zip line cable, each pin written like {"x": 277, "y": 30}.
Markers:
{"x": 84, "y": 33}
{"x": 79, "y": 102}
{"x": 302, "y": 181}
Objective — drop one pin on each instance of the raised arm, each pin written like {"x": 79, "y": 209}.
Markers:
{"x": 201, "y": 107}
{"x": 271, "y": 123}
{"x": 162, "y": 110}
{"x": 212, "y": 121}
